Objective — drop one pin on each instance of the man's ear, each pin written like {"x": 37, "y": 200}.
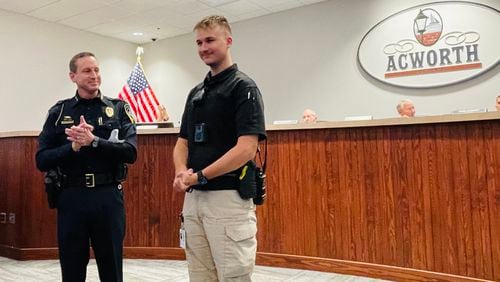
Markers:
{"x": 229, "y": 40}
{"x": 72, "y": 76}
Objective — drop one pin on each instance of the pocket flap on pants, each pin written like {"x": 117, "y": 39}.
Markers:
{"x": 241, "y": 232}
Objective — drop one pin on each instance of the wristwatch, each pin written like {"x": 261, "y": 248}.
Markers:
{"x": 95, "y": 143}
{"x": 202, "y": 180}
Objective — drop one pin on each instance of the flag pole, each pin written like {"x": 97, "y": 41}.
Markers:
{"x": 139, "y": 51}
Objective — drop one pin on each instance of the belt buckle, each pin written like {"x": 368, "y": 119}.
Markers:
{"x": 89, "y": 180}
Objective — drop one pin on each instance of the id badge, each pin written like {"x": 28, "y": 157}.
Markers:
{"x": 182, "y": 237}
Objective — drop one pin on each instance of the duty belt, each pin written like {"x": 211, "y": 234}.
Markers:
{"x": 88, "y": 180}
{"x": 224, "y": 182}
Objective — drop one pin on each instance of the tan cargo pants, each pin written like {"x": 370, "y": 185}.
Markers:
{"x": 220, "y": 236}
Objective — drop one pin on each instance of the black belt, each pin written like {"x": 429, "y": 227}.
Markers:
{"x": 228, "y": 181}
{"x": 88, "y": 180}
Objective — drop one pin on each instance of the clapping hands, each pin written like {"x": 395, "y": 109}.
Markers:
{"x": 80, "y": 135}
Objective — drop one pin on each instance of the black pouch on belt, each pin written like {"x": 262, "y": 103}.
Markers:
{"x": 52, "y": 180}
{"x": 247, "y": 187}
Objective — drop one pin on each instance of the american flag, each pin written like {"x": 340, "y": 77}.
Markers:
{"x": 139, "y": 94}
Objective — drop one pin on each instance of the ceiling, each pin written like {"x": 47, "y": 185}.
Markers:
{"x": 156, "y": 19}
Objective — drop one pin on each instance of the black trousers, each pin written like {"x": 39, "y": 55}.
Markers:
{"x": 91, "y": 217}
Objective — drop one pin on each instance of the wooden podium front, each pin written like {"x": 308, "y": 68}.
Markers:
{"x": 401, "y": 199}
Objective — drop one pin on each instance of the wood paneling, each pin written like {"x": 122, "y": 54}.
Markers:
{"x": 415, "y": 196}
{"x": 386, "y": 201}
{"x": 152, "y": 207}
{"x": 23, "y": 191}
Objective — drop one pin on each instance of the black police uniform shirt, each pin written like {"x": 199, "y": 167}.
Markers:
{"x": 104, "y": 114}
{"x": 229, "y": 105}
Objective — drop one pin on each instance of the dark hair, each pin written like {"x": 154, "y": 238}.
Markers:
{"x": 72, "y": 62}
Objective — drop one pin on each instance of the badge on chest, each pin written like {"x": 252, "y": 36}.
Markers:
{"x": 109, "y": 112}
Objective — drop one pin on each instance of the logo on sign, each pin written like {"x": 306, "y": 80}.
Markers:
{"x": 427, "y": 27}
{"x": 416, "y": 50}
{"x": 459, "y": 51}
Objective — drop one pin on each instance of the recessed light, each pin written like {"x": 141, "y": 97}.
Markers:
{"x": 137, "y": 33}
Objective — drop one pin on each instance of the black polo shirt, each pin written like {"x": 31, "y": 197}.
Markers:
{"x": 229, "y": 105}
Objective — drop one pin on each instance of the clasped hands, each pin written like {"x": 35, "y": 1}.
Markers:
{"x": 80, "y": 135}
{"x": 184, "y": 179}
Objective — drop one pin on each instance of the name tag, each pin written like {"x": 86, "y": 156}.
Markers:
{"x": 182, "y": 237}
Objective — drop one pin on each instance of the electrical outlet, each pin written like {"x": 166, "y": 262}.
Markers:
{"x": 12, "y": 218}
{"x": 3, "y": 217}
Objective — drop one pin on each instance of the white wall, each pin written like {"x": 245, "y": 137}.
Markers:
{"x": 34, "y": 70}
{"x": 300, "y": 58}
{"x": 306, "y": 57}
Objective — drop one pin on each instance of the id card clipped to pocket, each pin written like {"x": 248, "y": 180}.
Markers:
{"x": 182, "y": 237}
{"x": 182, "y": 234}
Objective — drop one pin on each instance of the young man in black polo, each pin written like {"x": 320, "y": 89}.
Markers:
{"x": 222, "y": 124}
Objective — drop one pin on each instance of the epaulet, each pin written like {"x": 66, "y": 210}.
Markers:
{"x": 64, "y": 100}
{"x": 59, "y": 103}
{"x": 199, "y": 86}
{"x": 113, "y": 101}
{"x": 243, "y": 76}
{"x": 196, "y": 89}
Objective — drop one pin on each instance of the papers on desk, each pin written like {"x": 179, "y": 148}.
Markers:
{"x": 155, "y": 125}
{"x": 290, "y": 121}
{"x": 147, "y": 126}
{"x": 469, "y": 111}
{"x": 351, "y": 118}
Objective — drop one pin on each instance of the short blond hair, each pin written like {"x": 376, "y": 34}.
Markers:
{"x": 212, "y": 21}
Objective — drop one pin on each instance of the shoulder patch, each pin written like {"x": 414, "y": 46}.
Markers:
{"x": 129, "y": 113}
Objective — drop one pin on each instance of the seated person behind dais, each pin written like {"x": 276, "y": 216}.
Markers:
{"x": 406, "y": 108}
{"x": 309, "y": 116}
